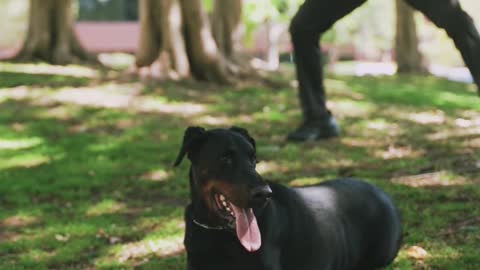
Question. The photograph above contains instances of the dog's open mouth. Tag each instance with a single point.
(245, 222)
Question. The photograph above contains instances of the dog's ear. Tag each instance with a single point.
(191, 137)
(245, 134)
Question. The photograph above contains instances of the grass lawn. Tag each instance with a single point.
(86, 180)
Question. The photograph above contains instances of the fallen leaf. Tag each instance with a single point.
(62, 238)
(417, 253)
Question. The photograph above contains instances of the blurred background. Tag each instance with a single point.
(361, 43)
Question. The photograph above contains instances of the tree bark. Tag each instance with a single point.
(176, 41)
(51, 36)
(408, 56)
(227, 26)
(205, 58)
(162, 45)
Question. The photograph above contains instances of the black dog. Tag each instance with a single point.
(238, 221)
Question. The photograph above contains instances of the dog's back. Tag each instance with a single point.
(339, 224)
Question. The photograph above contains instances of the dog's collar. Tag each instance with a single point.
(218, 228)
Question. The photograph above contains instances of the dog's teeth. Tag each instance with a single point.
(224, 203)
(222, 197)
(228, 209)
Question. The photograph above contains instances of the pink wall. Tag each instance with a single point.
(108, 36)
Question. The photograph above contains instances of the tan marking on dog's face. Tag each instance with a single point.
(235, 193)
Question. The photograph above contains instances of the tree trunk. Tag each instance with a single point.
(206, 60)
(162, 46)
(408, 57)
(227, 27)
(50, 35)
(176, 41)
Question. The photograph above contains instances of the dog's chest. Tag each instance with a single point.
(218, 250)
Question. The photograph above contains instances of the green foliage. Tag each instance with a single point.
(370, 28)
(372, 25)
(85, 162)
(208, 4)
(256, 13)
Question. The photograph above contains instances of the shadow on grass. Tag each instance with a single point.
(13, 79)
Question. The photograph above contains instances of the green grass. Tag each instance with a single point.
(86, 180)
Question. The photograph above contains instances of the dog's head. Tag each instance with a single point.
(223, 173)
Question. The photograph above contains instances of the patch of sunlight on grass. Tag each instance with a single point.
(428, 117)
(42, 68)
(166, 242)
(213, 120)
(439, 178)
(361, 142)
(351, 108)
(117, 60)
(396, 152)
(147, 104)
(380, 124)
(171, 227)
(101, 98)
(474, 143)
(466, 123)
(26, 161)
(269, 114)
(19, 220)
(23, 92)
(105, 207)
(453, 133)
(156, 175)
(60, 112)
(162, 225)
(110, 96)
(338, 85)
(161, 247)
(305, 181)
(8, 144)
(3, 97)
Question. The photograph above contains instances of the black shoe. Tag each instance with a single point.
(315, 130)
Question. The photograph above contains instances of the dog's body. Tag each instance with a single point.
(341, 224)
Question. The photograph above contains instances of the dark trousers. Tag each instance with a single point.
(316, 16)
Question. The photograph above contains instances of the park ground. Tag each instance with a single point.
(86, 180)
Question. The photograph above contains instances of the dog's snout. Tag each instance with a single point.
(260, 195)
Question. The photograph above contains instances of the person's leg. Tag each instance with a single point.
(449, 15)
(312, 19)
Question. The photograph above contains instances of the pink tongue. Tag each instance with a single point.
(247, 229)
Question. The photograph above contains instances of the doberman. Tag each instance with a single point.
(236, 220)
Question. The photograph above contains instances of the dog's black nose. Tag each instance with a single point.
(260, 195)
